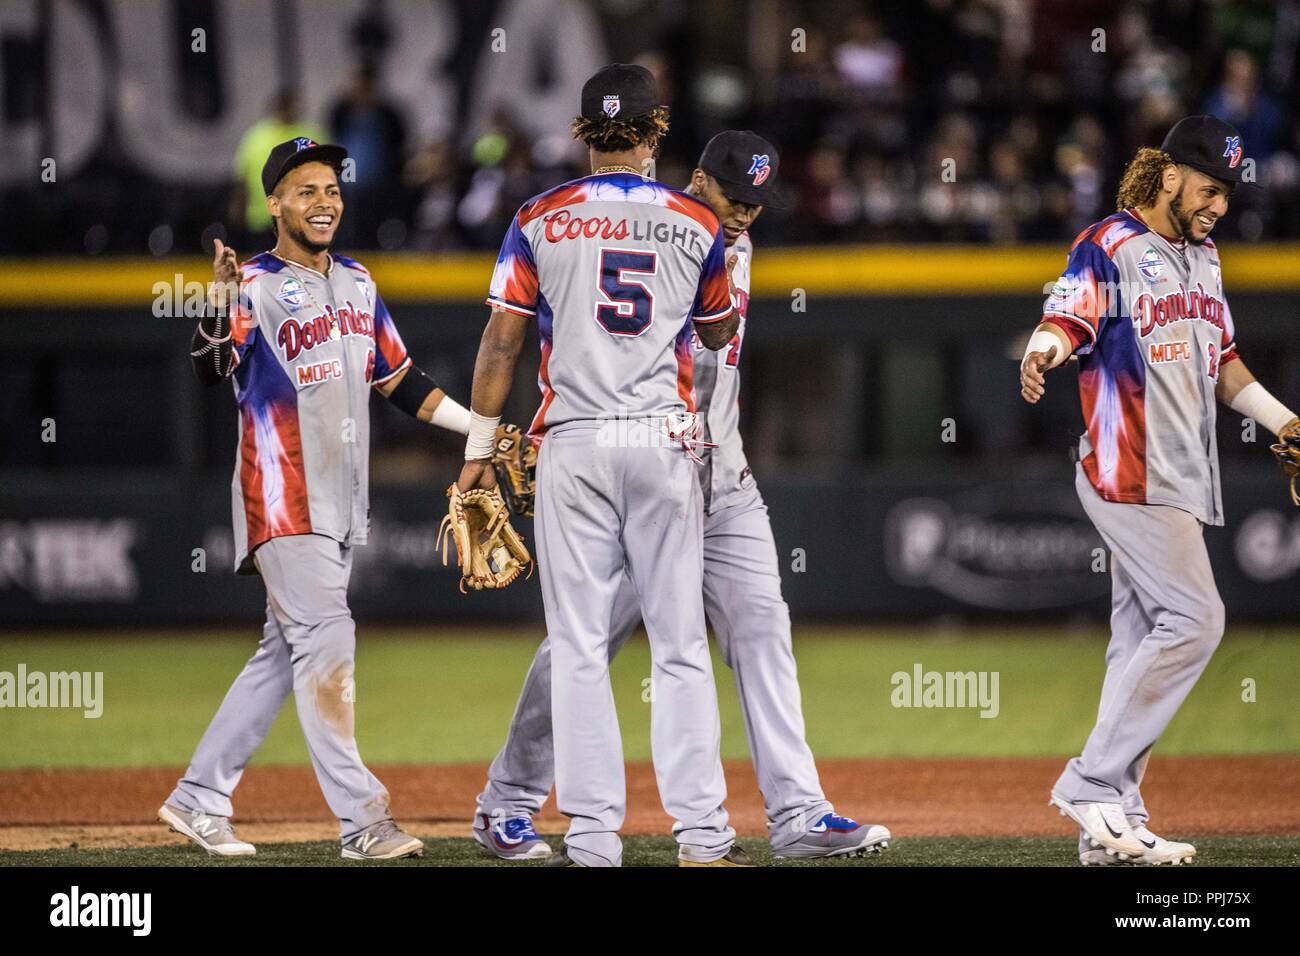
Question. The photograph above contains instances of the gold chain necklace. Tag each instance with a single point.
(619, 168)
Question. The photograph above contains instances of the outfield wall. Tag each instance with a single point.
(903, 549)
(848, 381)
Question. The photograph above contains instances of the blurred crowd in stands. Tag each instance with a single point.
(902, 120)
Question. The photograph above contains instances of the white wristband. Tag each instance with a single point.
(451, 415)
(1255, 402)
(482, 436)
(1043, 341)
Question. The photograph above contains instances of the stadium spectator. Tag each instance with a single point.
(430, 175)
(1242, 101)
(374, 134)
(250, 223)
(1033, 101)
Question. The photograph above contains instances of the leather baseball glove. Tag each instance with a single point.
(491, 554)
(514, 458)
(1287, 451)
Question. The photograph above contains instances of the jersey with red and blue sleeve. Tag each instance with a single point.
(1148, 319)
(617, 269)
(308, 348)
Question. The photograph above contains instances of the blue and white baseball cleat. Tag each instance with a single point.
(833, 835)
(510, 839)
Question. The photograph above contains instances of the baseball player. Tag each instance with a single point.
(736, 176)
(618, 271)
(305, 336)
(1141, 304)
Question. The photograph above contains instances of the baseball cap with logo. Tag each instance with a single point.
(1209, 145)
(620, 89)
(745, 165)
(294, 153)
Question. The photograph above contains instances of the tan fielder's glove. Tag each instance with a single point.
(514, 459)
(1287, 451)
(491, 554)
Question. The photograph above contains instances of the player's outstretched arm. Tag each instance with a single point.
(415, 393)
(1238, 389)
(1048, 347)
(494, 372)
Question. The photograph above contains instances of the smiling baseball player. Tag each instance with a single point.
(1141, 304)
(305, 336)
(736, 176)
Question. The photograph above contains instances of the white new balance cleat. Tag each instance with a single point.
(1158, 851)
(384, 840)
(1105, 825)
(214, 834)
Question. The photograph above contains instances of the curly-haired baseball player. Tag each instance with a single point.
(736, 176)
(305, 336)
(1141, 304)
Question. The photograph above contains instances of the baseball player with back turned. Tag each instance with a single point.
(618, 272)
(1141, 304)
(742, 587)
(305, 336)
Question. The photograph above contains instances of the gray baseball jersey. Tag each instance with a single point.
(616, 268)
(726, 478)
(308, 349)
(1151, 327)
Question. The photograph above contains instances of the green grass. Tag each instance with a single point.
(661, 851)
(446, 695)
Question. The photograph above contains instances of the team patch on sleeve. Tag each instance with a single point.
(1085, 295)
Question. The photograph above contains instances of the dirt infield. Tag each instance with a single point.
(987, 797)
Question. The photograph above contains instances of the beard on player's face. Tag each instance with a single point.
(298, 235)
(1187, 215)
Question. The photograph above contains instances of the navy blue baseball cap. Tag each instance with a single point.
(620, 89)
(745, 166)
(1208, 145)
(294, 153)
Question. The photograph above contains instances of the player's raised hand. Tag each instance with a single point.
(1032, 384)
(731, 264)
(226, 275)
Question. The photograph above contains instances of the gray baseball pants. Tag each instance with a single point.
(308, 646)
(600, 511)
(1166, 621)
(742, 600)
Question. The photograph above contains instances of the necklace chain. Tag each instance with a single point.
(617, 168)
(335, 331)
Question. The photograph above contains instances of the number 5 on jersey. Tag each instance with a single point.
(629, 306)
